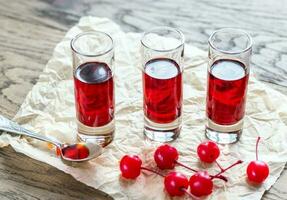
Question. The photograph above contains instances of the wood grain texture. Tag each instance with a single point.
(30, 29)
(22, 177)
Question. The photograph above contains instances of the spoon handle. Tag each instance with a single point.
(12, 127)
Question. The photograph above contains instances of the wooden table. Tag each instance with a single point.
(30, 30)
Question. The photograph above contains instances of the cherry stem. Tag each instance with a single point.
(219, 177)
(189, 194)
(185, 166)
(257, 142)
(224, 170)
(153, 171)
(219, 166)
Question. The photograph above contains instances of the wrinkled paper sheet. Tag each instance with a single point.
(49, 109)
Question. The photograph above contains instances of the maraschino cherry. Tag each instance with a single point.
(130, 166)
(175, 183)
(208, 151)
(201, 183)
(166, 157)
(257, 171)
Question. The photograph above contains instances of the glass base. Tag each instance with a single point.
(161, 136)
(223, 134)
(103, 135)
(162, 132)
(223, 137)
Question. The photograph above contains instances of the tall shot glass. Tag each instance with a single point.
(228, 73)
(93, 55)
(162, 51)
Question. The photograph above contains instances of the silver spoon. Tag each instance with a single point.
(9, 126)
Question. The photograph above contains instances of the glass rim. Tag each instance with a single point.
(238, 30)
(73, 47)
(175, 30)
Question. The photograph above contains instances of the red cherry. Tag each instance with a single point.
(257, 171)
(208, 151)
(200, 184)
(175, 183)
(130, 166)
(166, 156)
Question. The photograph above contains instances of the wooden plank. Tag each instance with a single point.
(31, 29)
(22, 177)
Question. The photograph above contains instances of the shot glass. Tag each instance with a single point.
(93, 55)
(162, 51)
(228, 72)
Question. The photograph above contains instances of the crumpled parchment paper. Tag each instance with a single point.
(49, 109)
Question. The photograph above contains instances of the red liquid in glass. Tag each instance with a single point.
(162, 88)
(94, 94)
(226, 93)
(76, 151)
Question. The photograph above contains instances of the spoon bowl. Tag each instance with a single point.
(80, 152)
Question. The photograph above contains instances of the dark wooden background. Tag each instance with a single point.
(30, 29)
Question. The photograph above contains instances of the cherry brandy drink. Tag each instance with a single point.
(226, 92)
(162, 80)
(162, 83)
(94, 86)
(228, 74)
(94, 93)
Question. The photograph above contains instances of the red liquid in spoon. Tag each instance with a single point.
(76, 151)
